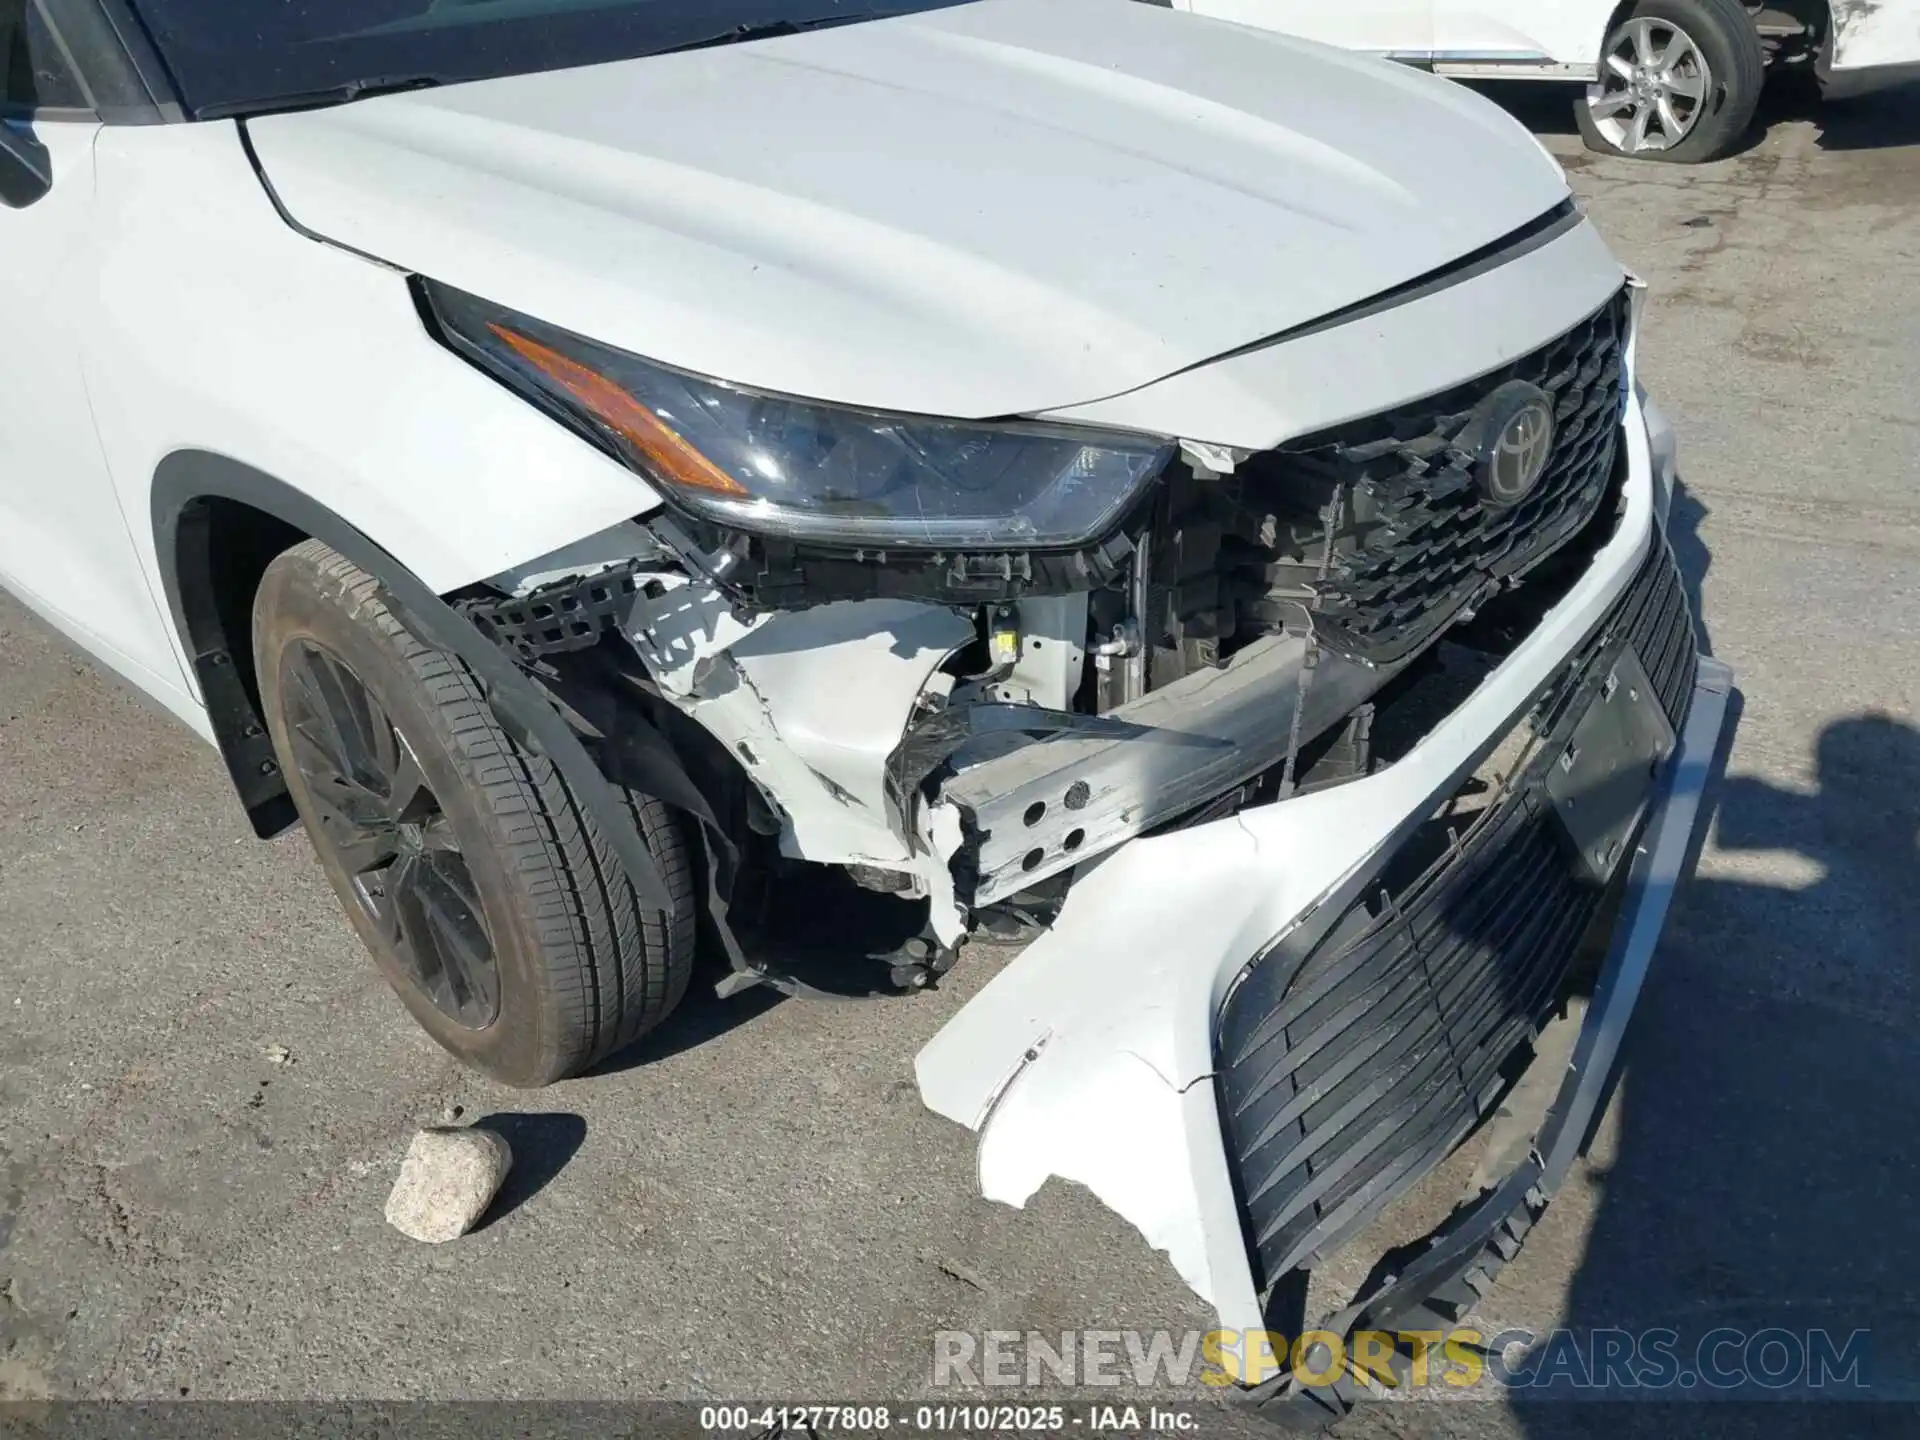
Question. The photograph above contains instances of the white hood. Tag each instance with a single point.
(999, 208)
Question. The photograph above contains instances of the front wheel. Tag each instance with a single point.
(1679, 81)
(488, 896)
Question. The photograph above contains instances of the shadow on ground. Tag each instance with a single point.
(1761, 1176)
(1690, 554)
(701, 1017)
(1756, 1203)
(1866, 122)
(1765, 1180)
(542, 1144)
(1764, 1187)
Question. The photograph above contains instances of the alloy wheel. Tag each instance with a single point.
(1653, 87)
(378, 820)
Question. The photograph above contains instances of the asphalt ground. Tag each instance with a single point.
(205, 1089)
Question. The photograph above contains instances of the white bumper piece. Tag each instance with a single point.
(1089, 1057)
(1875, 44)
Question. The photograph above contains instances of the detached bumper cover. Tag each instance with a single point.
(1480, 1238)
(1092, 1056)
(1359, 1050)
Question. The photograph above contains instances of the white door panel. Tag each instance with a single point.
(63, 538)
(1567, 32)
(1396, 27)
(163, 691)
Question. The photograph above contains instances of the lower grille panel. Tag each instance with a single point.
(1351, 1063)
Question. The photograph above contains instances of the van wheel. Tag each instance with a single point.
(490, 901)
(1679, 81)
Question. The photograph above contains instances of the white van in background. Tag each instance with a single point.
(1661, 79)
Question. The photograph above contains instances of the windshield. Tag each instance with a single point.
(228, 56)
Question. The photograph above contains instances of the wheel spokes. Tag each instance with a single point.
(437, 834)
(1652, 83)
(1688, 87)
(376, 818)
(362, 719)
(341, 705)
(1637, 132)
(364, 853)
(1643, 43)
(311, 717)
(415, 937)
(383, 893)
(334, 792)
(409, 798)
(441, 891)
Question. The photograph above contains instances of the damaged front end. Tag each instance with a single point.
(1311, 767)
(965, 727)
(1250, 1037)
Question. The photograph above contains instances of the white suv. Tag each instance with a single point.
(1659, 79)
(830, 487)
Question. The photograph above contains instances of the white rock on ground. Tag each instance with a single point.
(447, 1181)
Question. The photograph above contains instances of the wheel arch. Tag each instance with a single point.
(1815, 15)
(217, 522)
(1615, 18)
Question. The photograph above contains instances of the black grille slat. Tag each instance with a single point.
(1427, 1126)
(1309, 1033)
(1475, 998)
(1678, 661)
(1546, 936)
(1349, 1065)
(1380, 1189)
(1466, 992)
(1394, 1031)
(1411, 1110)
(1666, 650)
(1422, 544)
(1464, 984)
(1316, 1037)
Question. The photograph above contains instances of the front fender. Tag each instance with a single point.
(214, 326)
(229, 356)
(182, 485)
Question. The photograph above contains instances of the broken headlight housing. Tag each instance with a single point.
(773, 464)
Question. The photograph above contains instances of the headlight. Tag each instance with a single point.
(771, 463)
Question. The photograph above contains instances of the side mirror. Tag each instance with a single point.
(26, 170)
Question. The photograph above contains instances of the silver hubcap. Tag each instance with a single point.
(1653, 87)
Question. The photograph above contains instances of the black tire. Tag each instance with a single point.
(1737, 65)
(578, 967)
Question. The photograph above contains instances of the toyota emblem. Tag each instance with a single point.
(1515, 434)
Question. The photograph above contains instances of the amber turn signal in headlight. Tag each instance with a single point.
(780, 465)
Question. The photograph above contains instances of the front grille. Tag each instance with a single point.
(1352, 1061)
(1655, 616)
(1414, 543)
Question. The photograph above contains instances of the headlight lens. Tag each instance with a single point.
(770, 463)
